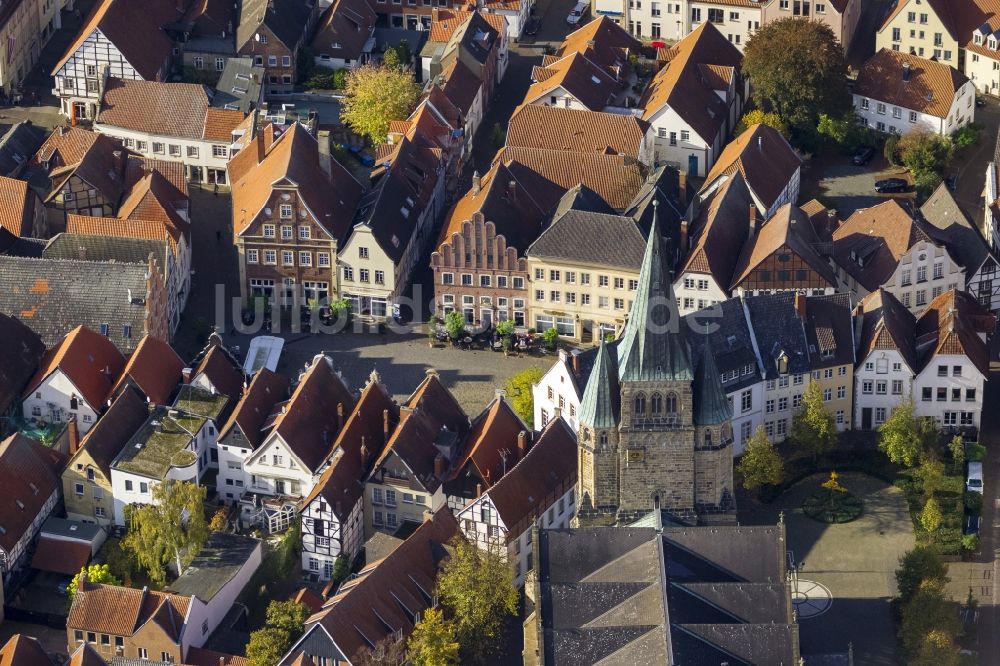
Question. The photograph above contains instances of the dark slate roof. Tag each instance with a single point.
(702, 595)
(711, 406)
(778, 329)
(600, 406)
(582, 198)
(17, 146)
(220, 559)
(386, 37)
(24, 247)
(475, 36)
(663, 186)
(593, 238)
(947, 221)
(60, 295)
(20, 355)
(106, 249)
(652, 347)
(286, 18)
(830, 330)
(239, 85)
(725, 326)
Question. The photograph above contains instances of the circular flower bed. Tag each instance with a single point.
(830, 506)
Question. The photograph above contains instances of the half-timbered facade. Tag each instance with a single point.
(333, 514)
(106, 46)
(784, 255)
(540, 487)
(286, 466)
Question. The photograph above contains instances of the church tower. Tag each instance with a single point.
(655, 430)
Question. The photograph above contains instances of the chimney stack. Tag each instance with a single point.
(325, 158)
(385, 426)
(479, 490)
(800, 305)
(74, 435)
(522, 444)
(477, 183)
(340, 416)
(831, 221)
(364, 451)
(186, 375)
(575, 359)
(512, 191)
(684, 236)
(440, 466)
(682, 189)
(760, 143)
(753, 219)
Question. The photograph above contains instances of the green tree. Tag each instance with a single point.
(890, 150)
(844, 131)
(432, 642)
(928, 611)
(966, 136)
(497, 136)
(220, 521)
(172, 528)
(930, 516)
(390, 58)
(476, 586)
(925, 153)
(267, 646)
(519, 394)
(341, 569)
(813, 426)
(899, 437)
(405, 52)
(937, 649)
(916, 567)
(957, 449)
(798, 66)
(551, 337)
(376, 95)
(759, 117)
(454, 323)
(760, 463)
(96, 573)
(931, 475)
(289, 616)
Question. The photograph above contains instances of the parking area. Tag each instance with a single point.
(837, 182)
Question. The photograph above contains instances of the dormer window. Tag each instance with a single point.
(993, 43)
(783, 364)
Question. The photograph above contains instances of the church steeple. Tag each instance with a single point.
(711, 406)
(652, 347)
(600, 406)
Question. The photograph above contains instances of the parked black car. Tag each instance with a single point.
(863, 156)
(951, 181)
(532, 27)
(980, 101)
(891, 185)
(972, 524)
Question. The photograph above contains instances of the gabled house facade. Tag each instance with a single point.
(75, 380)
(887, 359)
(272, 32)
(345, 35)
(293, 205)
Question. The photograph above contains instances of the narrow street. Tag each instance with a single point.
(989, 616)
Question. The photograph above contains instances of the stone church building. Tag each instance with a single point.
(655, 427)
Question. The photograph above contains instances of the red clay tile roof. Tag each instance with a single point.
(60, 556)
(137, 167)
(225, 374)
(342, 484)
(952, 324)
(381, 591)
(589, 83)
(85, 225)
(67, 145)
(165, 109)
(135, 27)
(307, 423)
(680, 86)
(549, 465)
(21, 650)
(461, 85)
(121, 611)
(347, 23)
(603, 42)
(310, 599)
(960, 18)
(99, 167)
(105, 440)
(17, 205)
(86, 655)
(931, 88)
(717, 236)
(90, 361)
(869, 244)
(788, 228)
(617, 178)
(154, 368)
(886, 324)
(766, 160)
(536, 126)
(446, 21)
(29, 474)
(491, 445)
(293, 156)
(155, 199)
(266, 390)
(197, 656)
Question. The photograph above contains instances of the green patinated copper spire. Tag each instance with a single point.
(711, 406)
(600, 406)
(653, 347)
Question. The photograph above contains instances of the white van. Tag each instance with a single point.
(974, 482)
(578, 13)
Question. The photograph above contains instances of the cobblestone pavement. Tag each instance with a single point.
(856, 561)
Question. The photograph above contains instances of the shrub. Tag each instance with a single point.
(550, 336)
(966, 136)
(975, 452)
(970, 542)
(454, 323)
(974, 503)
